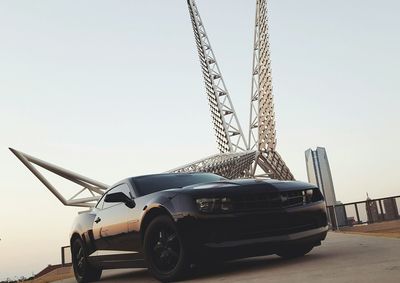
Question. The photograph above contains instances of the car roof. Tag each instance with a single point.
(171, 174)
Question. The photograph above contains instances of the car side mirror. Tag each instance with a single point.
(120, 197)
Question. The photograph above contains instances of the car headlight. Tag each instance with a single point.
(308, 196)
(212, 205)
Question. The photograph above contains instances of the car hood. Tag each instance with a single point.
(245, 186)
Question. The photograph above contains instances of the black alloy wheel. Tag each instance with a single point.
(83, 271)
(164, 250)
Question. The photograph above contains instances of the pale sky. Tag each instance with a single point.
(112, 89)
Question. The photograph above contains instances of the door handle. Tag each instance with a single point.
(98, 219)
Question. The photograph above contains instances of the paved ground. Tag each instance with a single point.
(384, 229)
(341, 258)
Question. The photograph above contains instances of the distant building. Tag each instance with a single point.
(372, 211)
(391, 209)
(341, 217)
(319, 173)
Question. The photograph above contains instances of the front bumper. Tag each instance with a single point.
(254, 233)
(313, 236)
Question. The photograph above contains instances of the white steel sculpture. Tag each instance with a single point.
(238, 156)
(230, 137)
(229, 165)
(262, 135)
(95, 188)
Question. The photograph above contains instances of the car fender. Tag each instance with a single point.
(157, 205)
(83, 227)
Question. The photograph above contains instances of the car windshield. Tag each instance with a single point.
(155, 183)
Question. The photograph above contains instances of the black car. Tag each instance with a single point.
(166, 222)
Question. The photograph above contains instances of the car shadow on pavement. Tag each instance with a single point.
(131, 275)
(223, 269)
(248, 265)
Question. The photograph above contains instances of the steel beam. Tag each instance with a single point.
(229, 134)
(95, 188)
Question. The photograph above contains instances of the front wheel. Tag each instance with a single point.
(294, 251)
(83, 271)
(165, 254)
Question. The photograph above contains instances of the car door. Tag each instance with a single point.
(134, 232)
(110, 227)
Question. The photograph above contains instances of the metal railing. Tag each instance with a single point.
(364, 212)
(66, 255)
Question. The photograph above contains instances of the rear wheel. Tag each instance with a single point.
(294, 251)
(83, 271)
(165, 254)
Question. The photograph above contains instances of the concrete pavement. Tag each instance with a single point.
(341, 258)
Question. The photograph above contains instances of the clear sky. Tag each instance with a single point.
(112, 89)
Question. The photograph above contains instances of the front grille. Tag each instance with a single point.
(267, 201)
(260, 225)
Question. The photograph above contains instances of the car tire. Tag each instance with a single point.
(83, 271)
(164, 251)
(294, 251)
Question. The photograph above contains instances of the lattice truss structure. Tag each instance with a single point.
(229, 165)
(228, 132)
(262, 133)
(230, 138)
(238, 156)
(95, 188)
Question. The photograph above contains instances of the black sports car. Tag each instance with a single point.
(167, 222)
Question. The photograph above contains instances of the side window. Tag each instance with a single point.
(99, 205)
(120, 188)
